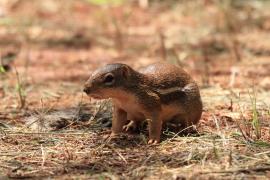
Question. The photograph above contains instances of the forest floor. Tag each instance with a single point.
(50, 128)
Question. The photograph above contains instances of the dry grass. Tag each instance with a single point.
(218, 150)
(59, 133)
(87, 154)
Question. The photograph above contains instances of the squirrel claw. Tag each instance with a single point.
(152, 141)
(130, 126)
(126, 128)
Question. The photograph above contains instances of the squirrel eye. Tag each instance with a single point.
(109, 79)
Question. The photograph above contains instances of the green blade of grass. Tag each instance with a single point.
(2, 70)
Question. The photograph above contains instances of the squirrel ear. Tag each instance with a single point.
(125, 72)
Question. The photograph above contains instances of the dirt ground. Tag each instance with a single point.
(49, 128)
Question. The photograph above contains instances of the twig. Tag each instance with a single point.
(119, 154)
(163, 46)
(44, 133)
(259, 169)
(43, 156)
(20, 89)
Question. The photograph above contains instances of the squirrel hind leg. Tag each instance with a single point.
(180, 124)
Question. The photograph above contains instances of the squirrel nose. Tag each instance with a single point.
(86, 90)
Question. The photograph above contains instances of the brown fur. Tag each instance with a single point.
(159, 92)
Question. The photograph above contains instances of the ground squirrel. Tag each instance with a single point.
(159, 93)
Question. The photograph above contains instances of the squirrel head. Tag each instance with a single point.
(105, 81)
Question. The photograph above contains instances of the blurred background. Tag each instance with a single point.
(48, 49)
(47, 45)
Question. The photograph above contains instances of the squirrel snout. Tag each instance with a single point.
(87, 89)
